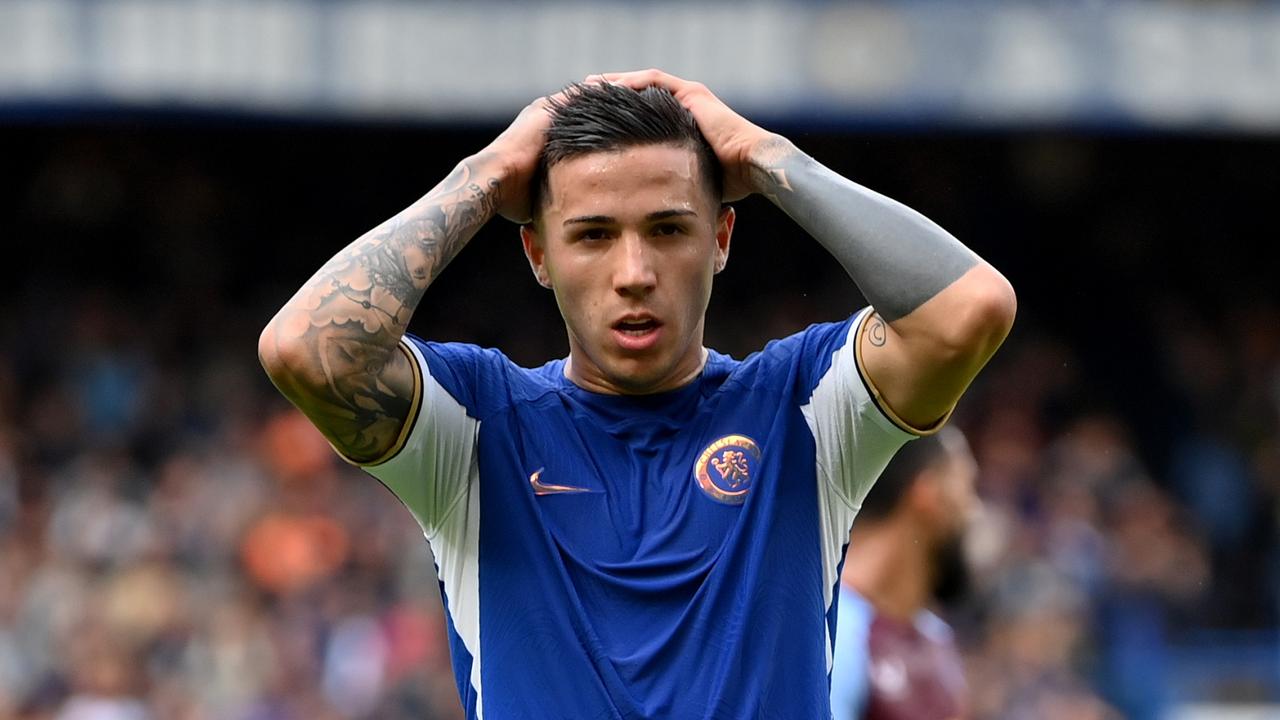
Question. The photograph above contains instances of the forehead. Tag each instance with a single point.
(643, 175)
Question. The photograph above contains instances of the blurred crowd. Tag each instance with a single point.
(176, 542)
(1097, 578)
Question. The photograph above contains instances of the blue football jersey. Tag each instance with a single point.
(658, 556)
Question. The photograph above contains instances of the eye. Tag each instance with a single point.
(596, 233)
(667, 229)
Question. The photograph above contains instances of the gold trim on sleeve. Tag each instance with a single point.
(881, 404)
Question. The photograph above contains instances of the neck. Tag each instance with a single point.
(587, 376)
(888, 563)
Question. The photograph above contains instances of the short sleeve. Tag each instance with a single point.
(855, 436)
(435, 461)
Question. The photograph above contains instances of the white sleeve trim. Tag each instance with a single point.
(853, 441)
(431, 470)
(436, 474)
(854, 436)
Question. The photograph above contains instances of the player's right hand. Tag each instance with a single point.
(517, 150)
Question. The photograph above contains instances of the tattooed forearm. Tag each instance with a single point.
(388, 269)
(333, 348)
(897, 257)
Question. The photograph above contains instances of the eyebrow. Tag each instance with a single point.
(651, 217)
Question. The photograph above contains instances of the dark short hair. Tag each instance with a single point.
(901, 473)
(605, 117)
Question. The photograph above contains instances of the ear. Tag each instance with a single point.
(724, 233)
(533, 249)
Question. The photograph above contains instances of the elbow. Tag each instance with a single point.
(997, 308)
(268, 350)
(973, 322)
(278, 358)
(990, 311)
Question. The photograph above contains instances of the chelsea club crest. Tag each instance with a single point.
(726, 469)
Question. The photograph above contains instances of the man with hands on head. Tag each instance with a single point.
(646, 528)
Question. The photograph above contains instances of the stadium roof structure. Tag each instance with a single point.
(923, 63)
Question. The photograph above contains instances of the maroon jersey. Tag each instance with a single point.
(914, 671)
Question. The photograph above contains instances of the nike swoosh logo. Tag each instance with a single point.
(541, 488)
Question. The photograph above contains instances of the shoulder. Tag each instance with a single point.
(458, 356)
(816, 339)
(801, 358)
(483, 379)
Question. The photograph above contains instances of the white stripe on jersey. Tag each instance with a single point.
(436, 475)
(853, 441)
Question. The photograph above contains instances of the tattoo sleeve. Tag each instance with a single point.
(341, 331)
(898, 257)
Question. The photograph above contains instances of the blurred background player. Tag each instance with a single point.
(894, 658)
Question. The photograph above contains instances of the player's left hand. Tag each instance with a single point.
(736, 141)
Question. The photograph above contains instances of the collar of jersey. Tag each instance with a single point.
(662, 403)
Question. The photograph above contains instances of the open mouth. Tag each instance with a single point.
(637, 333)
(636, 327)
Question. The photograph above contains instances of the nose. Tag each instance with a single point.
(634, 273)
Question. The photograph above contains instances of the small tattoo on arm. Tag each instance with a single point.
(876, 332)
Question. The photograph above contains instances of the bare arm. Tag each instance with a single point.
(941, 310)
(333, 349)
